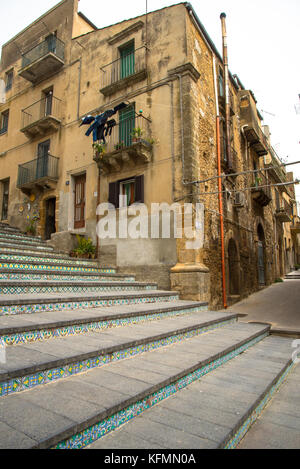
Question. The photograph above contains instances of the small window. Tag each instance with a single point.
(127, 60)
(4, 122)
(9, 80)
(126, 192)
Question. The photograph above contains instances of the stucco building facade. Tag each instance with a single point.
(161, 148)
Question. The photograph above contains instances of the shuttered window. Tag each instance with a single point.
(127, 124)
(127, 62)
(131, 190)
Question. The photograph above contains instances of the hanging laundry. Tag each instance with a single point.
(99, 125)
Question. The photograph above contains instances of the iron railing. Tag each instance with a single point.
(124, 67)
(126, 133)
(45, 166)
(50, 45)
(48, 106)
(261, 183)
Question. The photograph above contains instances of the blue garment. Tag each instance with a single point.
(99, 122)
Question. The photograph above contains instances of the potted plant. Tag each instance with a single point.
(100, 149)
(85, 248)
(119, 146)
(137, 134)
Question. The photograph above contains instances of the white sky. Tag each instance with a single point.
(263, 48)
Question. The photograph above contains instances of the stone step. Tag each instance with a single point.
(29, 303)
(15, 287)
(54, 258)
(50, 266)
(23, 241)
(34, 364)
(212, 413)
(20, 237)
(22, 329)
(279, 425)
(74, 412)
(10, 274)
(17, 248)
(4, 228)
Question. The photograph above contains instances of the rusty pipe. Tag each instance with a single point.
(226, 86)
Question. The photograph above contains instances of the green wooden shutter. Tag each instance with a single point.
(127, 124)
(127, 60)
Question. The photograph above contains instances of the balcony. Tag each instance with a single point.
(123, 72)
(250, 123)
(41, 173)
(284, 212)
(43, 60)
(295, 227)
(261, 190)
(42, 117)
(128, 145)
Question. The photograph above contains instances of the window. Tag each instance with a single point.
(126, 192)
(5, 195)
(127, 60)
(9, 79)
(127, 124)
(4, 122)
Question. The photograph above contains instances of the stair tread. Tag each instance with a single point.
(279, 426)
(33, 282)
(30, 298)
(87, 398)
(52, 319)
(209, 409)
(74, 347)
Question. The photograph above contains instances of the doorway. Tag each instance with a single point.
(79, 201)
(261, 255)
(5, 196)
(233, 264)
(50, 226)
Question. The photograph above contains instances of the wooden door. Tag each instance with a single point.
(79, 201)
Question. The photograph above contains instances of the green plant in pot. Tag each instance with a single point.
(85, 248)
(137, 134)
(100, 149)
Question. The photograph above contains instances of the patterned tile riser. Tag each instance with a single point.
(20, 236)
(40, 308)
(97, 431)
(41, 335)
(49, 376)
(16, 247)
(73, 261)
(54, 268)
(19, 290)
(86, 278)
(19, 251)
(239, 435)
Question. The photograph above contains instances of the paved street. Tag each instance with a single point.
(278, 305)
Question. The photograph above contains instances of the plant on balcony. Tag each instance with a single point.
(85, 248)
(119, 146)
(136, 134)
(100, 149)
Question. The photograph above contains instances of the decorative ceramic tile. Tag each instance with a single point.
(62, 277)
(45, 334)
(44, 377)
(93, 433)
(234, 441)
(41, 307)
(79, 288)
(54, 268)
(54, 260)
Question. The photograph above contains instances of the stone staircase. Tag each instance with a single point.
(86, 350)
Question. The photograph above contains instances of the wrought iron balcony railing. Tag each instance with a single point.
(49, 45)
(37, 171)
(128, 140)
(42, 116)
(129, 68)
(261, 190)
(42, 60)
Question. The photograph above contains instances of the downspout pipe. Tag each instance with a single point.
(220, 187)
(226, 83)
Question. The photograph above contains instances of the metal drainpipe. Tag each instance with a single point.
(220, 187)
(226, 82)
